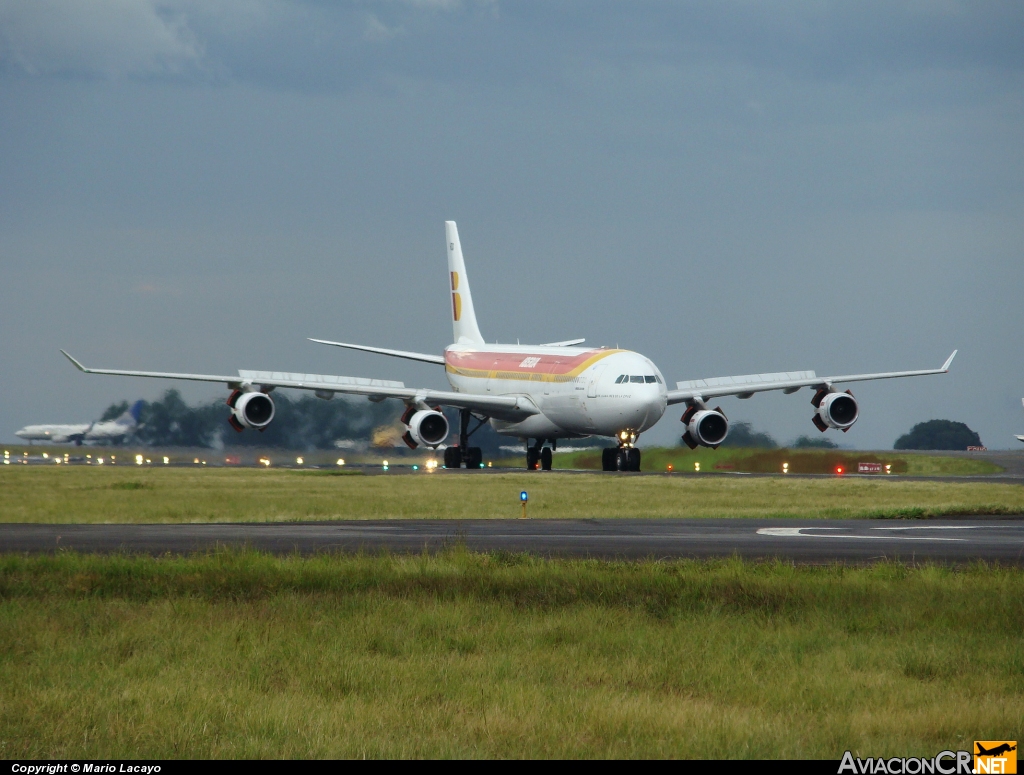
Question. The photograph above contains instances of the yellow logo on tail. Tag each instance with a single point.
(456, 299)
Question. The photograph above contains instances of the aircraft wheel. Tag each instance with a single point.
(633, 459)
(453, 457)
(545, 459)
(608, 458)
(622, 460)
(532, 459)
(474, 457)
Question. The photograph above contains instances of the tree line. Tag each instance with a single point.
(304, 423)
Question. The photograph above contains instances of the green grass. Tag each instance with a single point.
(92, 494)
(801, 461)
(246, 655)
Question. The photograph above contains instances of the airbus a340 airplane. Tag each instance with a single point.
(104, 430)
(542, 392)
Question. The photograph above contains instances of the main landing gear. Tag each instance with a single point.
(471, 457)
(625, 457)
(539, 456)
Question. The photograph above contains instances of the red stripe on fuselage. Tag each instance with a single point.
(523, 362)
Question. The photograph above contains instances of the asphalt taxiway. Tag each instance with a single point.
(960, 540)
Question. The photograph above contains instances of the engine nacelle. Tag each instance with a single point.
(250, 410)
(835, 410)
(705, 427)
(427, 427)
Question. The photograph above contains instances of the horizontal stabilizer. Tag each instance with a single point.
(425, 357)
(566, 343)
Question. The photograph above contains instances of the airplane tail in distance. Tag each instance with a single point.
(131, 417)
(464, 327)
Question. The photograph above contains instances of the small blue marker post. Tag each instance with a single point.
(524, 497)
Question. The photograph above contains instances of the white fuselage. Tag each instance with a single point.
(63, 434)
(580, 391)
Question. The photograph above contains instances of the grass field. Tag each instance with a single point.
(68, 494)
(245, 655)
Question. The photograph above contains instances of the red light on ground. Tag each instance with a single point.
(669, 466)
(839, 470)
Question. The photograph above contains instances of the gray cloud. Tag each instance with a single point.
(111, 38)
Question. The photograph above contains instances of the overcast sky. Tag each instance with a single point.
(726, 187)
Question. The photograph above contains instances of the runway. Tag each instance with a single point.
(960, 540)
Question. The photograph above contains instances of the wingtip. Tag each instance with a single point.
(78, 365)
(949, 360)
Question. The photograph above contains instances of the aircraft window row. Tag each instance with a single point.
(638, 379)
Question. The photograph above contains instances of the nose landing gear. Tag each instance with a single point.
(625, 457)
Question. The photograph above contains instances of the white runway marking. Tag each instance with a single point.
(786, 532)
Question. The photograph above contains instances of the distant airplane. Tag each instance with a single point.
(542, 392)
(1021, 438)
(106, 430)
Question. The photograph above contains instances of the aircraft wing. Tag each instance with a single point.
(746, 385)
(325, 385)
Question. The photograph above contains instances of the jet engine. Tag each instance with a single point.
(706, 427)
(426, 426)
(835, 410)
(250, 410)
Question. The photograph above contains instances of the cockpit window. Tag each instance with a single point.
(635, 378)
(659, 379)
(649, 379)
(621, 378)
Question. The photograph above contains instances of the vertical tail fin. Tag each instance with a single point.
(131, 416)
(464, 327)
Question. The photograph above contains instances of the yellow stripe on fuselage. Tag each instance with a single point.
(529, 375)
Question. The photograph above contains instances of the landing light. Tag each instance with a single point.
(385, 465)
(888, 469)
(138, 460)
(166, 460)
(696, 467)
(341, 461)
(298, 461)
(785, 468)
(430, 464)
(99, 460)
(196, 461)
(45, 456)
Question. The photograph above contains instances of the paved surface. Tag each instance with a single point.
(810, 541)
